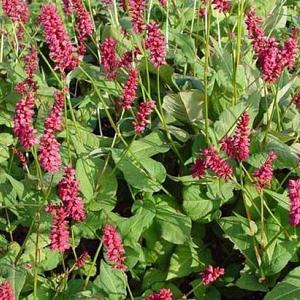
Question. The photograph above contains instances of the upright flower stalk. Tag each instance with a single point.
(61, 49)
(264, 174)
(49, 151)
(211, 274)
(237, 146)
(23, 119)
(163, 294)
(272, 59)
(6, 291)
(294, 195)
(115, 252)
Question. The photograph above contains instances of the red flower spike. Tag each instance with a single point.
(59, 233)
(211, 274)
(6, 291)
(163, 294)
(155, 43)
(294, 195)
(145, 110)
(68, 192)
(114, 247)
(265, 173)
(60, 46)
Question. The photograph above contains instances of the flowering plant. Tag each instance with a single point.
(149, 149)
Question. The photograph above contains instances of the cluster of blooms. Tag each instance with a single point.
(129, 89)
(84, 25)
(109, 58)
(68, 192)
(6, 291)
(144, 111)
(115, 252)
(72, 208)
(296, 99)
(59, 233)
(237, 146)
(221, 5)
(81, 260)
(137, 11)
(163, 294)
(18, 12)
(68, 6)
(155, 43)
(211, 274)
(294, 195)
(211, 160)
(23, 127)
(21, 157)
(163, 2)
(23, 119)
(60, 45)
(49, 152)
(264, 174)
(272, 59)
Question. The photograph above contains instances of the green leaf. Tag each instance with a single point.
(149, 145)
(146, 175)
(197, 206)
(281, 255)
(184, 106)
(185, 260)
(16, 275)
(97, 186)
(17, 185)
(112, 282)
(237, 230)
(288, 288)
(285, 157)
(175, 226)
(248, 281)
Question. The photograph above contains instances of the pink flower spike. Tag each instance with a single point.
(81, 260)
(49, 153)
(294, 195)
(155, 43)
(265, 173)
(68, 192)
(109, 57)
(218, 165)
(137, 11)
(21, 157)
(59, 233)
(163, 2)
(211, 274)
(198, 168)
(6, 291)
(237, 146)
(114, 247)
(16, 10)
(129, 90)
(60, 45)
(23, 119)
(163, 294)
(68, 6)
(145, 110)
(221, 5)
(84, 25)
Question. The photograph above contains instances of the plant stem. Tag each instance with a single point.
(206, 66)
(92, 266)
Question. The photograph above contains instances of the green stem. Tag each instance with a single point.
(92, 266)
(206, 66)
